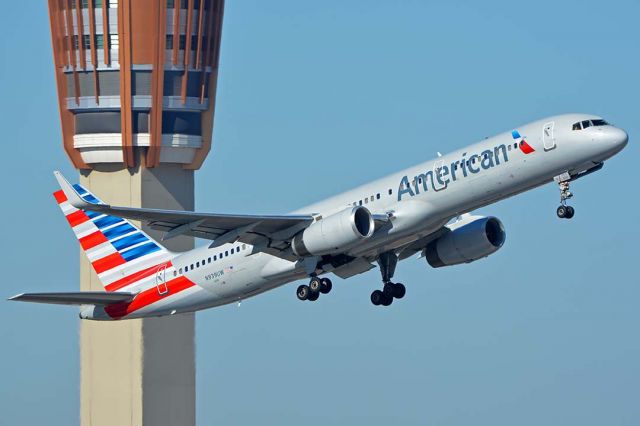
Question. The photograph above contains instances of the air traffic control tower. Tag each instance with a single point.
(136, 85)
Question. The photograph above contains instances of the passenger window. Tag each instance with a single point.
(515, 146)
(209, 260)
(175, 273)
(360, 202)
(378, 196)
(390, 191)
(509, 147)
(586, 123)
(372, 198)
(366, 200)
(180, 271)
(226, 253)
(576, 126)
(191, 267)
(215, 258)
(232, 251)
(197, 264)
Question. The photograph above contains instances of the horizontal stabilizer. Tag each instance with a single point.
(76, 297)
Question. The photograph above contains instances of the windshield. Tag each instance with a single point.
(588, 123)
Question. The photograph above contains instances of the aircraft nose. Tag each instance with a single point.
(617, 137)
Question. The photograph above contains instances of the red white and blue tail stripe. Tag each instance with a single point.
(124, 257)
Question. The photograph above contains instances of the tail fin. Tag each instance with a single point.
(123, 256)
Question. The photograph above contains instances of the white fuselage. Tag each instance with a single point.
(419, 201)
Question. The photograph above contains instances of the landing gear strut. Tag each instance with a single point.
(316, 287)
(387, 262)
(564, 211)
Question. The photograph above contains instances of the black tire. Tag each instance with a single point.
(386, 300)
(389, 289)
(315, 285)
(303, 292)
(326, 286)
(376, 297)
(313, 296)
(399, 290)
(561, 211)
(570, 212)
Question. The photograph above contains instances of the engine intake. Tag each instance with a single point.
(334, 234)
(466, 242)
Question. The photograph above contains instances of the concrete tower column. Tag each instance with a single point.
(136, 86)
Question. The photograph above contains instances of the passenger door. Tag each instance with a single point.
(548, 138)
(161, 283)
(437, 166)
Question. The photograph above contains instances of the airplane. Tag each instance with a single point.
(423, 210)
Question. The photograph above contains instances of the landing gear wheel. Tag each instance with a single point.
(376, 297)
(570, 212)
(303, 292)
(399, 290)
(389, 290)
(386, 300)
(561, 211)
(315, 285)
(313, 296)
(326, 286)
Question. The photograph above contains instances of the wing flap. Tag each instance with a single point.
(75, 298)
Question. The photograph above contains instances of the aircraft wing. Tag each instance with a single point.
(272, 233)
(76, 298)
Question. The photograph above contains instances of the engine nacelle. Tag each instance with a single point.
(335, 233)
(477, 238)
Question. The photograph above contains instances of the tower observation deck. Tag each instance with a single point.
(136, 86)
(136, 79)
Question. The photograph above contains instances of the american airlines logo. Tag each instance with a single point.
(442, 174)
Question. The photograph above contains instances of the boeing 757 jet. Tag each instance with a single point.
(423, 210)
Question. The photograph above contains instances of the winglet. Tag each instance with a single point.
(72, 195)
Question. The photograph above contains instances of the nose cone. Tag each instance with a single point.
(615, 138)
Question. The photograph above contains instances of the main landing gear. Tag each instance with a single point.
(314, 289)
(387, 262)
(564, 211)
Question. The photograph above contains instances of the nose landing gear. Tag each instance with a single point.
(564, 211)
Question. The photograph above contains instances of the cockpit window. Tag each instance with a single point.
(588, 123)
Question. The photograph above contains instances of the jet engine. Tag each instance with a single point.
(334, 234)
(467, 240)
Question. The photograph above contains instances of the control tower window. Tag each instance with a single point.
(140, 122)
(173, 84)
(97, 122)
(187, 123)
(141, 82)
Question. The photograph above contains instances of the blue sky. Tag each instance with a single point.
(318, 97)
